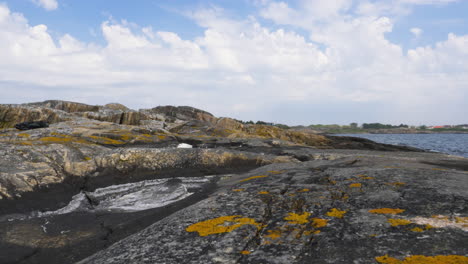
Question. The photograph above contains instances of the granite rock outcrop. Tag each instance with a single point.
(241, 194)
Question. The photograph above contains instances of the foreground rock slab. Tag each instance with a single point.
(355, 209)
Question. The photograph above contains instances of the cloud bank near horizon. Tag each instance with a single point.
(321, 60)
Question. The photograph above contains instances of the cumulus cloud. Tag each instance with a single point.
(47, 4)
(416, 32)
(243, 69)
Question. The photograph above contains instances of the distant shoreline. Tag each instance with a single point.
(395, 132)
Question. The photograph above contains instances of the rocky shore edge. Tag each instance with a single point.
(269, 196)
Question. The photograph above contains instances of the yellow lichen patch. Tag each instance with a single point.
(396, 184)
(273, 234)
(108, 141)
(238, 190)
(304, 190)
(245, 252)
(336, 213)
(417, 229)
(292, 194)
(263, 192)
(365, 177)
(392, 211)
(275, 172)
(311, 232)
(223, 224)
(55, 139)
(126, 137)
(463, 220)
(161, 137)
(438, 169)
(398, 222)
(319, 222)
(254, 177)
(297, 219)
(420, 259)
(25, 135)
(87, 158)
(373, 235)
(355, 185)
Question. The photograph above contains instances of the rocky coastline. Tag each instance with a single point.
(107, 184)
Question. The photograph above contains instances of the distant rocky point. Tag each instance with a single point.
(107, 184)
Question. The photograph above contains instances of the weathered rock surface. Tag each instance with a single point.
(349, 210)
(263, 194)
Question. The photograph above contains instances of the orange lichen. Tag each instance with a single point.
(275, 172)
(462, 220)
(311, 232)
(245, 252)
(392, 211)
(107, 141)
(25, 135)
(365, 177)
(417, 229)
(398, 222)
(319, 222)
(438, 169)
(420, 259)
(161, 137)
(297, 219)
(55, 139)
(238, 190)
(304, 190)
(273, 234)
(336, 213)
(355, 185)
(254, 177)
(223, 224)
(263, 192)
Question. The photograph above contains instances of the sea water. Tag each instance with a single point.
(454, 144)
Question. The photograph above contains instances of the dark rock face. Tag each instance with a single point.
(31, 125)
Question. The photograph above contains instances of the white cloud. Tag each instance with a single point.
(416, 32)
(46, 4)
(241, 68)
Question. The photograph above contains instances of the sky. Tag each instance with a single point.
(291, 62)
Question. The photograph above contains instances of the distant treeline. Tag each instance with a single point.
(381, 126)
(355, 126)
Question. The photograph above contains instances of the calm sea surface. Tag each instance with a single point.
(455, 144)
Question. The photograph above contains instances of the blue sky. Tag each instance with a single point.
(294, 62)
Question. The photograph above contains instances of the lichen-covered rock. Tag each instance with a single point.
(311, 213)
(173, 113)
(14, 114)
(266, 194)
